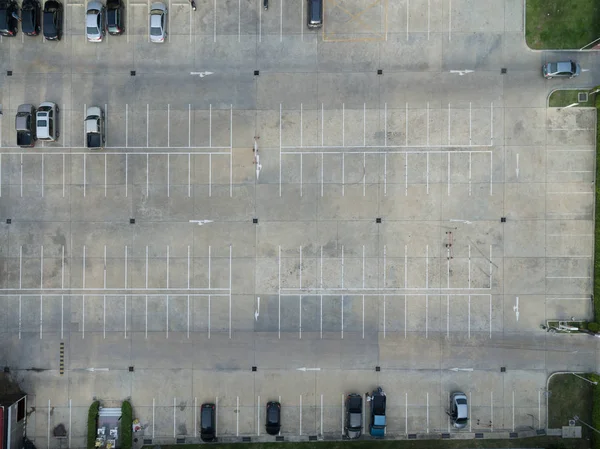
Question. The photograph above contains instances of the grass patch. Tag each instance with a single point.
(570, 396)
(562, 98)
(536, 442)
(561, 23)
(126, 425)
(92, 424)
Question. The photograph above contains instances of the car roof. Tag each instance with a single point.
(564, 66)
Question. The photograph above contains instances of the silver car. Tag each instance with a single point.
(459, 411)
(94, 21)
(46, 121)
(158, 22)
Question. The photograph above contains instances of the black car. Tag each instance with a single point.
(207, 422)
(114, 17)
(53, 18)
(273, 417)
(31, 12)
(9, 18)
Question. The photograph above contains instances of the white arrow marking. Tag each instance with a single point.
(461, 72)
(517, 165)
(257, 309)
(202, 74)
(585, 70)
(516, 308)
(96, 369)
(201, 222)
(460, 369)
(257, 158)
(460, 221)
(308, 369)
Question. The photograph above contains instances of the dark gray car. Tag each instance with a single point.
(354, 416)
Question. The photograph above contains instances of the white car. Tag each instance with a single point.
(158, 22)
(46, 122)
(94, 21)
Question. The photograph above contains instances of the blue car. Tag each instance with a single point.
(378, 422)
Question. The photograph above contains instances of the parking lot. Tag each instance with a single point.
(409, 229)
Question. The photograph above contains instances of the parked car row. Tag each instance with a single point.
(99, 19)
(31, 18)
(459, 415)
(42, 124)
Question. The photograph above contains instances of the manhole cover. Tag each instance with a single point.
(582, 97)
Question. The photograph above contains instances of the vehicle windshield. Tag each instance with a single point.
(573, 67)
(461, 421)
(92, 30)
(154, 31)
(42, 123)
(460, 401)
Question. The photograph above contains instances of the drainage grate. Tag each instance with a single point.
(445, 436)
(514, 435)
(147, 440)
(541, 431)
(279, 439)
(246, 439)
(412, 436)
(479, 435)
(313, 438)
(180, 440)
(582, 97)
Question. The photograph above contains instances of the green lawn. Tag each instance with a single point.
(569, 396)
(537, 442)
(562, 98)
(562, 23)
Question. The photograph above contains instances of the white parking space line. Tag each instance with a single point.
(406, 413)
(174, 417)
(42, 175)
(258, 416)
(168, 175)
(48, 427)
(82, 316)
(279, 294)
(147, 175)
(104, 267)
(21, 175)
(280, 156)
(126, 174)
(168, 125)
(189, 125)
(449, 20)
(259, 21)
(83, 268)
(190, 174)
(407, 16)
(215, 22)
(280, 40)
(41, 315)
(84, 174)
(168, 265)
(104, 318)
(146, 267)
(230, 152)
(148, 125)
(62, 268)
(167, 318)
(62, 317)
